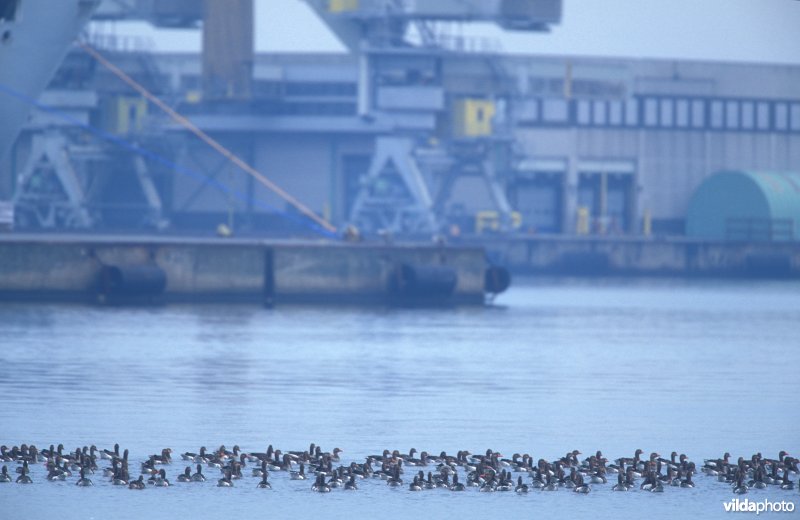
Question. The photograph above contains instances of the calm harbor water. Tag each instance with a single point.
(699, 367)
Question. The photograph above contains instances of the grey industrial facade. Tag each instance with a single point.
(624, 141)
(657, 128)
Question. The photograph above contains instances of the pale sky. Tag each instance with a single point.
(766, 31)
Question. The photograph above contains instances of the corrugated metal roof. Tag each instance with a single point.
(746, 205)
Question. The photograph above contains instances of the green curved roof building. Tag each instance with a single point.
(745, 205)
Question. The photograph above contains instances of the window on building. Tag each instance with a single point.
(667, 118)
(650, 112)
(583, 112)
(781, 116)
(762, 116)
(682, 113)
(555, 111)
(615, 113)
(732, 114)
(321, 89)
(795, 114)
(531, 110)
(717, 114)
(698, 113)
(748, 115)
(599, 116)
(632, 112)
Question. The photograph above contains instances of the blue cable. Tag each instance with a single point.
(160, 159)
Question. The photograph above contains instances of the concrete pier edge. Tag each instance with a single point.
(71, 268)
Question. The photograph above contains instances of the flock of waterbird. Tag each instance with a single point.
(486, 472)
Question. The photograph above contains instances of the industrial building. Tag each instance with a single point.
(416, 131)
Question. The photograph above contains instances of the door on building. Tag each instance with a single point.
(608, 198)
(538, 197)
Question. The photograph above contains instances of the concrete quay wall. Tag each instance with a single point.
(71, 268)
(639, 256)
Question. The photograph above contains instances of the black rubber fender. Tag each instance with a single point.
(496, 280)
(132, 280)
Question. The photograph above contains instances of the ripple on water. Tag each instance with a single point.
(694, 366)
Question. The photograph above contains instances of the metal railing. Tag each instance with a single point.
(759, 229)
(119, 42)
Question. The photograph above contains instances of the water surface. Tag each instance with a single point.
(694, 366)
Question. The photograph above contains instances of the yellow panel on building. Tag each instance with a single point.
(339, 6)
(126, 115)
(473, 118)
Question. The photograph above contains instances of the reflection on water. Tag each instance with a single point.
(699, 367)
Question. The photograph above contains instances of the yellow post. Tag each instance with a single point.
(603, 203)
(487, 220)
(516, 220)
(582, 222)
(647, 223)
